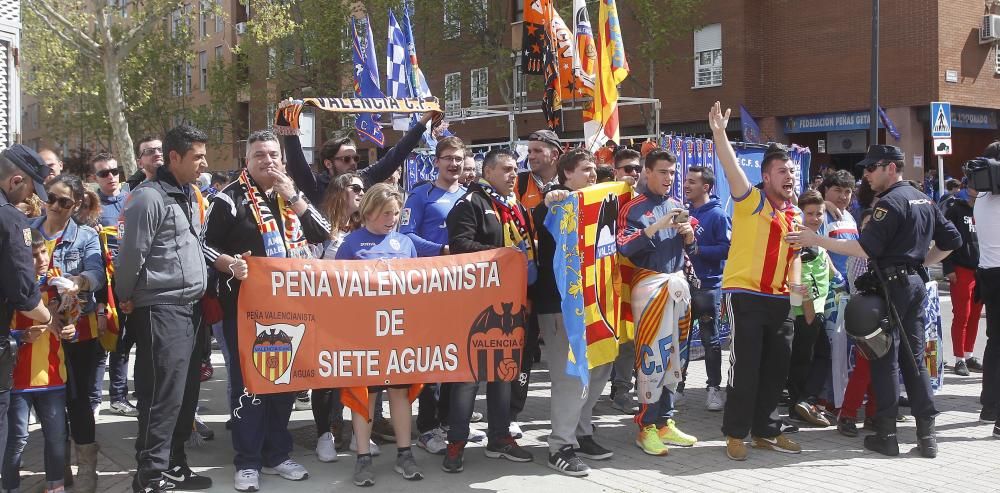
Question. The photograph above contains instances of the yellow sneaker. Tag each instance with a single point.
(671, 435)
(780, 443)
(649, 441)
(736, 449)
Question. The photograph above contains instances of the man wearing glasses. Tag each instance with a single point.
(150, 155)
(898, 242)
(108, 175)
(627, 166)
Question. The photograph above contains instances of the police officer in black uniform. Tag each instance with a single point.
(22, 172)
(897, 240)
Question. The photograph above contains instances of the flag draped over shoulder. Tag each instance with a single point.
(584, 227)
(397, 70)
(366, 84)
(600, 119)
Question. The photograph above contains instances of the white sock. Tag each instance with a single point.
(968, 355)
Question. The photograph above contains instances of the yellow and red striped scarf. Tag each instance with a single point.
(289, 243)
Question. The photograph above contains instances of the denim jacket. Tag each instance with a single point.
(78, 253)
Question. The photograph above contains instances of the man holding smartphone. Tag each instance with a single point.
(654, 233)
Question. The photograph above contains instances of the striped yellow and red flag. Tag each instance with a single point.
(600, 119)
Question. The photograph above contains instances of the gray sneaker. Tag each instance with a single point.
(363, 473)
(407, 466)
(625, 402)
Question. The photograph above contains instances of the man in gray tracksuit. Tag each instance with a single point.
(160, 277)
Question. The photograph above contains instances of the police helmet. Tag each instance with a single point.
(866, 320)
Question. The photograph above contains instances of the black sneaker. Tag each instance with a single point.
(973, 364)
(996, 430)
(787, 427)
(566, 462)
(159, 486)
(847, 427)
(960, 368)
(589, 449)
(507, 448)
(184, 478)
(454, 457)
(988, 414)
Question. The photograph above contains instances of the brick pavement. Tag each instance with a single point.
(829, 462)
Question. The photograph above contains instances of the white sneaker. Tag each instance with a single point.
(290, 470)
(476, 417)
(372, 446)
(434, 441)
(326, 450)
(716, 399)
(246, 480)
(476, 435)
(515, 430)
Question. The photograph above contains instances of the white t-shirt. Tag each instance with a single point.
(986, 216)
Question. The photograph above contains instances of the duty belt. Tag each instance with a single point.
(900, 272)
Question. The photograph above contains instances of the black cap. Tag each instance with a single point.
(31, 163)
(547, 136)
(878, 153)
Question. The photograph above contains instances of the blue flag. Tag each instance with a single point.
(887, 123)
(366, 85)
(397, 70)
(751, 131)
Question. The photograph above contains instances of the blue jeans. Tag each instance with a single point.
(463, 400)
(50, 407)
(705, 309)
(658, 412)
(116, 364)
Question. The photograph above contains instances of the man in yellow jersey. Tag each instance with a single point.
(756, 294)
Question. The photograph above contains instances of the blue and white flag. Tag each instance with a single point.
(397, 63)
(366, 84)
(751, 131)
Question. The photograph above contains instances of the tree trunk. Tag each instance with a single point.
(651, 121)
(115, 103)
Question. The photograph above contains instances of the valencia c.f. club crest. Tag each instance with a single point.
(496, 343)
(274, 350)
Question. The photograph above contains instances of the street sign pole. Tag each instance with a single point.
(940, 120)
(941, 174)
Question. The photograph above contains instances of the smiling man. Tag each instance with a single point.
(423, 220)
(756, 294)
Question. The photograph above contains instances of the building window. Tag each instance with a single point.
(203, 70)
(708, 56)
(178, 80)
(188, 77)
(346, 46)
(452, 19)
(220, 18)
(218, 54)
(204, 12)
(175, 22)
(997, 51)
(517, 12)
(453, 94)
(479, 83)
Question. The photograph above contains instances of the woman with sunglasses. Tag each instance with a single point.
(340, 207)
(75, 252)
(340, 155)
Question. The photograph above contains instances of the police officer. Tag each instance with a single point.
(22, 172)
(897, 240)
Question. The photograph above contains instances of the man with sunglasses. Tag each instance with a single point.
(897, 240)
(627, 166)
(150, 154)
(108, 175)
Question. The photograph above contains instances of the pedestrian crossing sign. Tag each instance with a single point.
(940, 120)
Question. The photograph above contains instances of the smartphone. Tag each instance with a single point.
(682, 216)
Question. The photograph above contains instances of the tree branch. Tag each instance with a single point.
(84, 50)
(139, 32)
(83, 41)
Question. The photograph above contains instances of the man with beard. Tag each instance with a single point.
(756, 294)
(897, 242)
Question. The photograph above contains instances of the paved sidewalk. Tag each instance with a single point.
(829, 461)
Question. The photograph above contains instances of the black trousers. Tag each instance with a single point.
(988, 285)
(82, 359)
(327, 410)
(519, 387)
(432, 406)
(909, 295)
(759, 357)
(165, 342)
(809, 365)
(189, 403)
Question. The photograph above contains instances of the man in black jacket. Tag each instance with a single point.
(960, 269)
(487, 217)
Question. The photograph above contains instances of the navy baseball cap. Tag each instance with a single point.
(31, 163)
(878, 153)
(547, 136)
